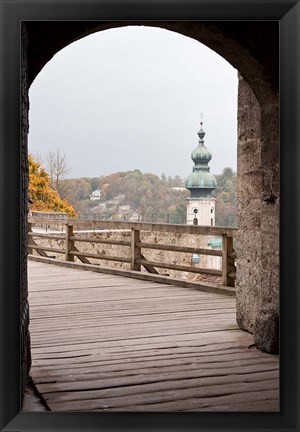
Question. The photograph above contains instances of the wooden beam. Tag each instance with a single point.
(181, 268)
(135, 250)
(82, 255)
(184, 249)
(171, 228)
(48, 236)
(116, 225)
(149, 267)
(40, 249)
(101, 241)
(69, 243)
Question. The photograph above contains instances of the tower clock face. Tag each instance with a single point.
(195, 210)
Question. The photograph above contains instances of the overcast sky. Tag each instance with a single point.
(131, 98)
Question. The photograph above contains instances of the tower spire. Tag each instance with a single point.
(201, 183)
(201, 119)
(201, 132)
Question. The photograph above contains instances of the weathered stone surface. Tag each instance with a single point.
(248, 208)
(266, 329)
(258, 219)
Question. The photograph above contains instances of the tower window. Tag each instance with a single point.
(212, 210)
(211, 222)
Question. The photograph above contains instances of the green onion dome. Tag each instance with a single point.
(201, 155)
(201, 182)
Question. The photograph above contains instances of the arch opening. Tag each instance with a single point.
(258, 153)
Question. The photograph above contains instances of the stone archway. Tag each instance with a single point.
(258, 153)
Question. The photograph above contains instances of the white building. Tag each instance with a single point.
(96, 195)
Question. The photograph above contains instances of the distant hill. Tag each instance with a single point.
(133, 195)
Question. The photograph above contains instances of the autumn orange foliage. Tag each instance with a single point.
(42, 195)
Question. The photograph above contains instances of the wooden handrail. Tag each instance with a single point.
(100, 256)
(89, 239)
(136, 259)
(46, 248)
(141, 226)
(48, 236)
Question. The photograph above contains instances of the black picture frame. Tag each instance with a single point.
(12, 13)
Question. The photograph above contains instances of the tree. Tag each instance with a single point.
(75, 190)
(42, 196)
(149, 194)
(57, 167)
(37, 157)
(225, 195)
(94, 184)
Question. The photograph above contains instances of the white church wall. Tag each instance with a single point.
(205, 214)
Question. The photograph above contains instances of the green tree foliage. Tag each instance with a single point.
(225, 195)
(146, 194)
(151, 196)
(77, 191)
(94, 183)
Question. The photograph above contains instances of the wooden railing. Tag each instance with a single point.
(70, 232)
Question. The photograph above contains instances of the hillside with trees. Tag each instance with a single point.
(133, 195)
(124, 194)
(225, 195)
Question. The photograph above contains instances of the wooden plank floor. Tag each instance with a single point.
(109, 343)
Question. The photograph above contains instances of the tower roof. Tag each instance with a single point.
(201, 182)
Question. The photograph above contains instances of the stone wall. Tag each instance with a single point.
(258, 219)
(249, 190)
(266, 328)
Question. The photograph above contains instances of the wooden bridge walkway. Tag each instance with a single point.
(110, 343)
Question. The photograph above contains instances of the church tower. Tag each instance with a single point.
(201, 205)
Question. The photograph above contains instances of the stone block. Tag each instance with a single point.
(266, 329)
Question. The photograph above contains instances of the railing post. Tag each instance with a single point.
(69, 243)
(227, 260)
(135, 249)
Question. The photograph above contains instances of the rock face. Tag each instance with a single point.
(258, 219)
(266, 329)
(249, 191)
